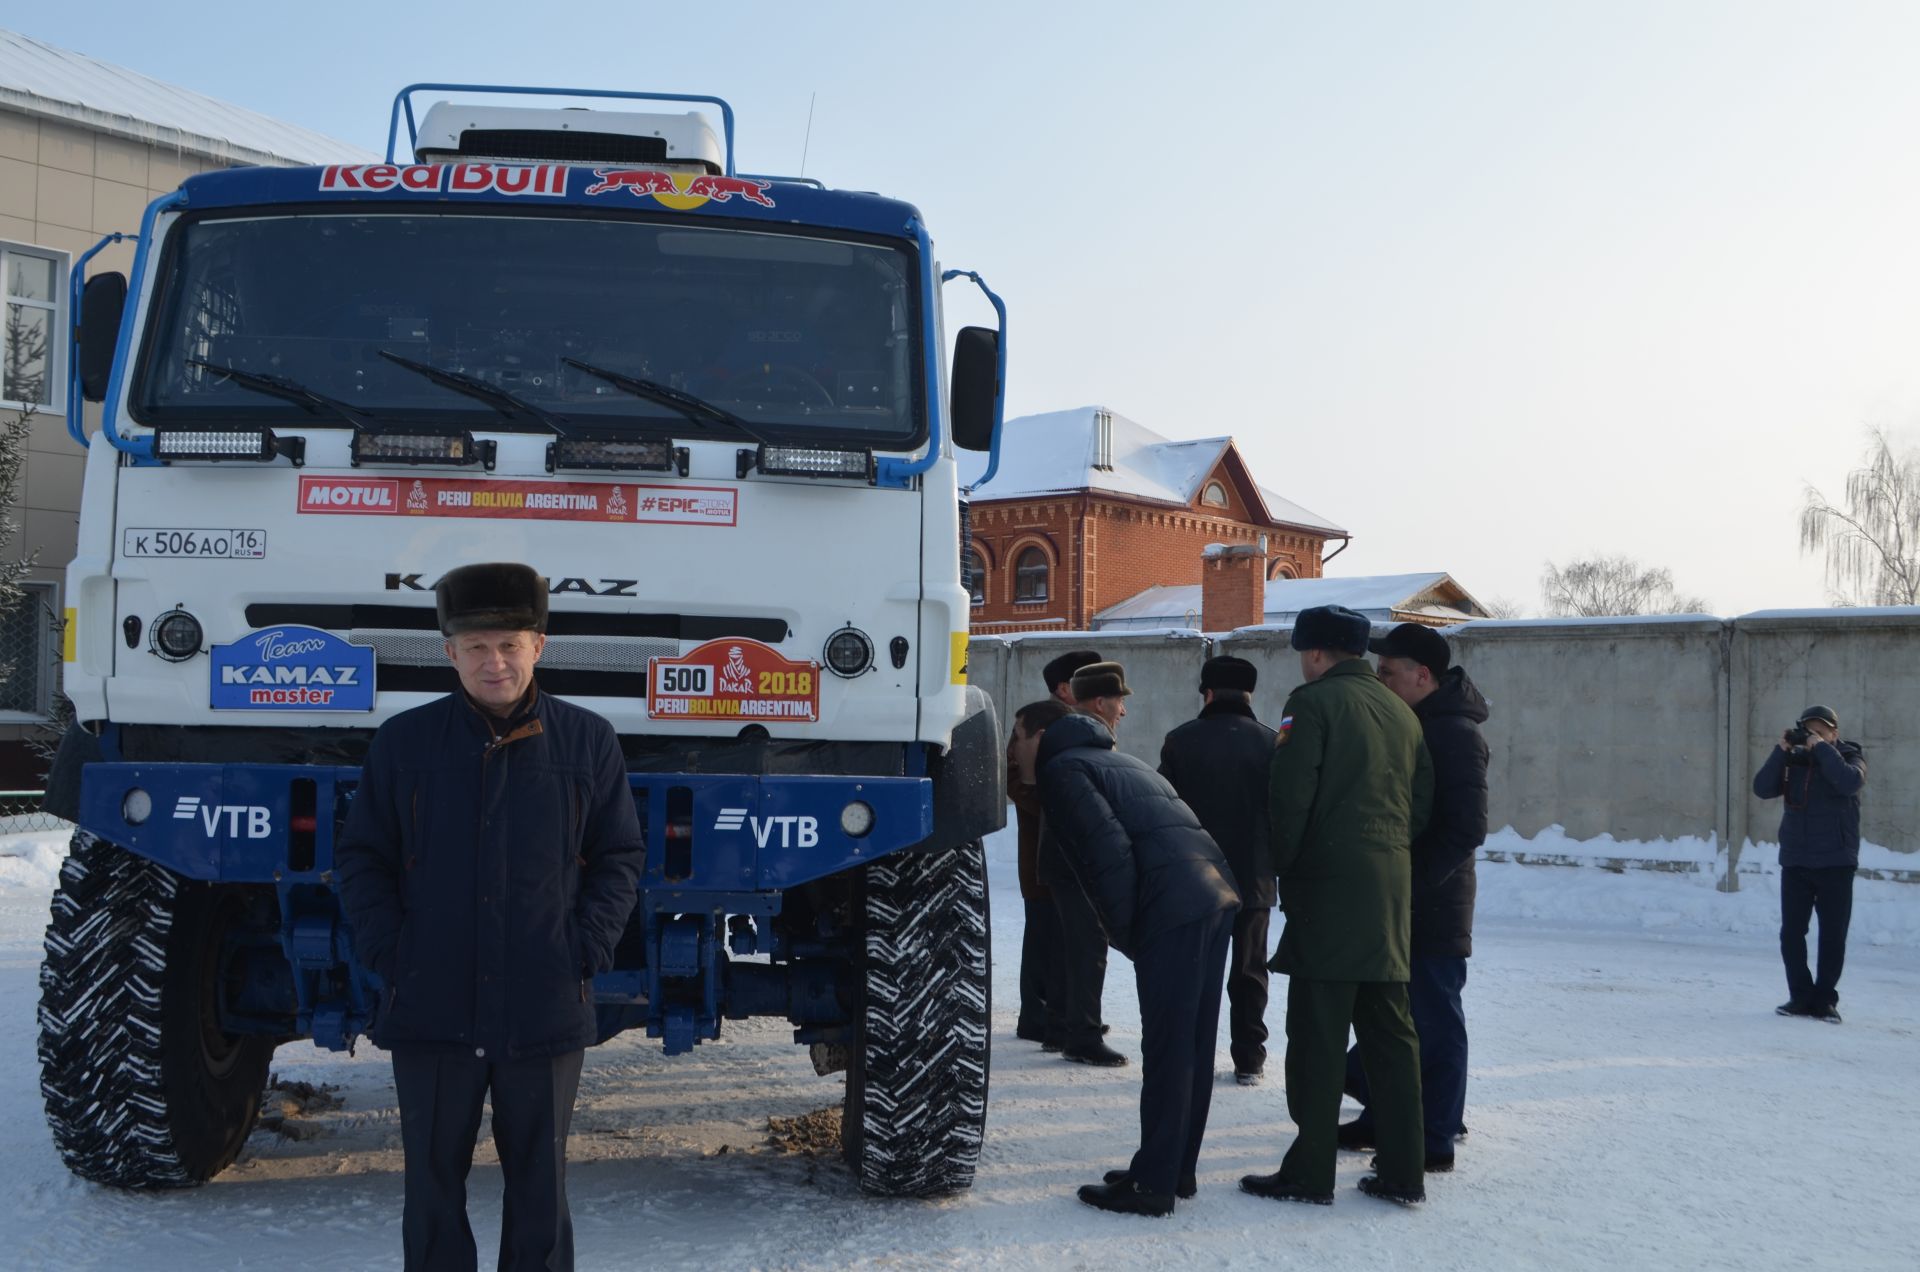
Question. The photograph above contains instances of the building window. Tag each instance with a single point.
(27, 654)
(31, 349)
(1214, 496)
(977, 577)
(1030, 576)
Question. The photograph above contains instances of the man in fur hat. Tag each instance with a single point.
(488, 869)
(1218, 762)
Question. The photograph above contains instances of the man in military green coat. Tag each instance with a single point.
(1351, 781)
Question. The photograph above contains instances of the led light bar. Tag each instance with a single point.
(805, 461)
(612, 452)
(421, 448)
(255, 445)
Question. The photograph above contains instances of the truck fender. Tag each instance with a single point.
(969, 778)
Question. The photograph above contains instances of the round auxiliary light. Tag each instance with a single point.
(856, 819)
(136, 806)
(177, 635)
(849, 652)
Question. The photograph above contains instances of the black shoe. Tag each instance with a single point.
(1830, 1014)
(1791, 1008)
(1094, 1053)
(1275, 1188)
(1439, 1163)
(1124, 1199)
(1371, 1185)
(1355, 1136)
(1185, 1192)
(1249, 1077)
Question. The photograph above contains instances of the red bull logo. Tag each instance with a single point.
(681, 191)
(446, 178)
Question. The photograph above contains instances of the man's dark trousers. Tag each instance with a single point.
(1319, 1014)
(1804, 892)
(1083, 964)
(1040, 970)
(1178, 974)
(441, 1093)
(1433, 999)
(1247, 989)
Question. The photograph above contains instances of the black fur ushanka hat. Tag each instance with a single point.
(497, 596)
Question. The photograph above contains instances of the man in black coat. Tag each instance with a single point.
(1218, 763)
(1043, 952)
(1098, 689)
(488, 869)
(1820, 775)
(1166, 900)
(1414, 664)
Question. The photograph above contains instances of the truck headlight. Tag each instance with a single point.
(856, 819)
(177, 635)
(849, 652)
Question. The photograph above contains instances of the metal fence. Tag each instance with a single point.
(21, 813)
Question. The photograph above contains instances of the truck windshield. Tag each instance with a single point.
(797, 335)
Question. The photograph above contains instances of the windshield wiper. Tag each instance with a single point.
(508, 404)
(697, 409)
(288, 390)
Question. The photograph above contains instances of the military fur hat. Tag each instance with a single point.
(1228, 672)
(1062, 669)
(499, 596)
(1100, 680)
(1331, 627)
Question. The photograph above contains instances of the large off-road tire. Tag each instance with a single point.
(142, 1087)
(917, 1077)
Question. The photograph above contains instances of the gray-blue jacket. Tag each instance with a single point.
(1820, 825)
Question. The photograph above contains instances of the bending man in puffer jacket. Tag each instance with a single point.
(1166, 898)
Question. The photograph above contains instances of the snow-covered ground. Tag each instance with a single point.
(1634, 1104)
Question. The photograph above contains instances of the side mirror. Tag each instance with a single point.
(976, 387)
(102, 302)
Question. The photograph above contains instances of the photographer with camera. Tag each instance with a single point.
(1820, 776)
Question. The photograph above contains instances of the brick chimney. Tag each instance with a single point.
(1233, 586)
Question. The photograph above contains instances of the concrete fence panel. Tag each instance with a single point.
(1865, 664)
(1163, 670)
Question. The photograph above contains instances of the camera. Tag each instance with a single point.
(1799, 735)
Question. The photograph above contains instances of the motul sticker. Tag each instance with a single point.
(731, 680)
(508, 499)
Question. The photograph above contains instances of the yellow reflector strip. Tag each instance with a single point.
(958, 657)
(67, 636)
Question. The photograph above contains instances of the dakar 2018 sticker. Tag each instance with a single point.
(730, 680)
(508, 499)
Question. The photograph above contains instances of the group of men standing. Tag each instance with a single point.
(1359, 814)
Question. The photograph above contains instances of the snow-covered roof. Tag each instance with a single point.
(43, 80)
(1055, 452)
(1380, 597)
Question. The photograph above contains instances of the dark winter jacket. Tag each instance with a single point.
(1028, 819)
(1139, 852)
(488, 868)
(1820, 825)
(1218, 764)
(1352, 785)
(1443, 878)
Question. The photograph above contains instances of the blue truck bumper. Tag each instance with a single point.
(717, 845)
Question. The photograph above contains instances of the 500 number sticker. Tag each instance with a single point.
(226, 545)
(732, 680)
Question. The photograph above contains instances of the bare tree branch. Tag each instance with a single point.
(1610, 585)
(1872, 545)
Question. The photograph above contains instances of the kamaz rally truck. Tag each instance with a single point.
(715, 411)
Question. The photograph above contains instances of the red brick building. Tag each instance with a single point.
(1089, 509)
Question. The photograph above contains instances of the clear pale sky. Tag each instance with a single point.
(1487, 283)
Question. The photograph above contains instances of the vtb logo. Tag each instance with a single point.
(258, 820)
(795, 832)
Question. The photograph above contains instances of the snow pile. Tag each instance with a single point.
(31, 862)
